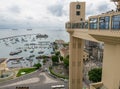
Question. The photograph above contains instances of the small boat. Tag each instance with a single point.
(40, 52)
(14, 29)
(15, 62)
(29, 29)
(14, 53)
(31, 56)
(31, 51)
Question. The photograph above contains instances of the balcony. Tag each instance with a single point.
(80, 25)
(83, 31)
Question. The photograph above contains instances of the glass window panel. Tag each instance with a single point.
(78, 7)
(116, 22)
(93, 23)
(104, 22)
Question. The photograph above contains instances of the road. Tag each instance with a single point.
(36, 80)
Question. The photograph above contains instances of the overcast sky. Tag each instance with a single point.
(44, 13)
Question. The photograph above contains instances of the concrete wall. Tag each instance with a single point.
(111, 65)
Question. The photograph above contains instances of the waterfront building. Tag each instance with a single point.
(103, 28)
(59, 42)
(3, 65)
(64, 51)
(85, 55)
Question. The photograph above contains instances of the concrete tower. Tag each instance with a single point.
(77, 14)
(77, 11)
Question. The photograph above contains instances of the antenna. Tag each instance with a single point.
(117, 3)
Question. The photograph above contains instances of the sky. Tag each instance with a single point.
(44, 13)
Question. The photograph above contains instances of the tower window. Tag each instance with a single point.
(77, 12)
(81, 19)
(77, 6)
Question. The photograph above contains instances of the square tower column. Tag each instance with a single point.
(77, 12)
(76, 63)
(111, 65)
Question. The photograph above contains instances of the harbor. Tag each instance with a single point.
(24, 49)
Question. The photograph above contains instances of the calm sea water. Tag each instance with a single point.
(53, 34)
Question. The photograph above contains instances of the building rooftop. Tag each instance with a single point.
(2, 60)
(59, 41)
(64, 51)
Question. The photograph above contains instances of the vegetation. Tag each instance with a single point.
(67, 56)
(44, 57)
(66, 44)
(66, 62)
(26, 71)
(61, 58)
(37, 66)
(44, 61)
(95, 74)
(55, 46)
(57, 53)
(58, 75)
(55, 59)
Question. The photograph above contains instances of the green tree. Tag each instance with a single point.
(95, 74)
(44, 61)
(57, 53)
(67, 56)
(61, 58)
(38, 65)
(55, 46)
(66, 62)
(66, 44)
(55, 59)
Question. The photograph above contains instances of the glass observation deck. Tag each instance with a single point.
(107, 21)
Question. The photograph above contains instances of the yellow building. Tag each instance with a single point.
(3, 65)
(85, 55)
(59, 41)
(100, 28)
(64, 52)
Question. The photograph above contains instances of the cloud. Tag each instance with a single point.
(103, 7)
(98, 7)
(14, 9)
(38, 13)
(56, 10)
(30, 18)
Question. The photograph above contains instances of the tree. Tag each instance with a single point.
(66, 44)
(44, 61)
(67, 56)
(66, 62)
(61, 58)
(38, 65)
(55, 46)
(55, 59)
(57, 53)
(95, 74)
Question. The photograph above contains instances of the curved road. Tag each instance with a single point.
(35, 80)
